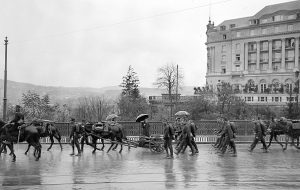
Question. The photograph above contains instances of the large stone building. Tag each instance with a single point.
(257, 55)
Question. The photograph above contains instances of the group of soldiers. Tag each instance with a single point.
(182, 131)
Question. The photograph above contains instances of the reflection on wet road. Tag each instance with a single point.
(141, 169)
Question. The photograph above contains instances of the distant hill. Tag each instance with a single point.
(63, 94)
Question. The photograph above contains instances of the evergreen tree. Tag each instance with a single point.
(130, 84)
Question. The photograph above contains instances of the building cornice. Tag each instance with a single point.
(252, 74)
(256, 36)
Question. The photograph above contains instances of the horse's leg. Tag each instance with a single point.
(4, 149)
(1, 148)
(298, 141)
(94, 144)
(12, 152)
(271, 138)
(58, 138)
(286, 141)
(39, 151)
(27, 149)
(52, 142)
(82, 143)
(102, 141)
(112, 144)
(120, 140)
(275, 137)
(116, 145)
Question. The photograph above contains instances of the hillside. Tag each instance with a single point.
(63, 94)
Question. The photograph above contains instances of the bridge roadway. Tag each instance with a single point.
(141, 169)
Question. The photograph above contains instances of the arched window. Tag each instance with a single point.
(275, 85)
(289, 85)
(263, 85)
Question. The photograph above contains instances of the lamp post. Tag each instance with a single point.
(297, 88)
(5, 82)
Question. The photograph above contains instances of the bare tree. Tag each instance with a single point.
(169, 78)
(92, 108)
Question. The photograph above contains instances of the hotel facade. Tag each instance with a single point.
(257, 55)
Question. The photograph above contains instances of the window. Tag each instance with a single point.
(252, 58)
(277, 44)
(290, 55)
(276, 56)
(277, 18)
(264, 45)
(289, 65)
(238, 34)
(224, 36)
(264, 21)
(223, 70)
(264, 57)
(237, 68)
(290, 27)
(276, 99)
(289, 87)
(237, 57)
(262, 99)
(263, 87)
(223, 48)
(290, 17)
(232, 25)
(254, 22)
(252, 67)
(276, 29)
(223, 28)
(237, 46)
(252, 46)
(264, 31)
(223, 60)
(252, 32)
(290, 42)
(249, 99)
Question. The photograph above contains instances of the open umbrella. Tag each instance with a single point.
(182, 113)
(111, 116)
(141, 117)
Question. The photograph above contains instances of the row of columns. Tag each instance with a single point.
(270, 56)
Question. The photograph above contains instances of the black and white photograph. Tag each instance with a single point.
(149, 94)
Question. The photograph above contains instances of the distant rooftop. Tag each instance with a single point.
(241, 22)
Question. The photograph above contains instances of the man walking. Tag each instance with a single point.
(168, 137)
(259, 135)
(75, 136)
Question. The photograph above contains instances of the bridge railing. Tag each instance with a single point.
(204, 127)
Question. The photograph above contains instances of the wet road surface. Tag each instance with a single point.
(139, 168)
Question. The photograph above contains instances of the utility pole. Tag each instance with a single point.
(176, 87)
(5, 82)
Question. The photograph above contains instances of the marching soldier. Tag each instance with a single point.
(186, 136)
(229, 135)
(168, 137)
(75, 136)
(259, 135)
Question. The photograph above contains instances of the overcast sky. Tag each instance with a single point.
(91, 43)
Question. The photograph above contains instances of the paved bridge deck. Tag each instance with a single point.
(141, 169)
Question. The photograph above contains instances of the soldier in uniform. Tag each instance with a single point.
(259, 135)
(229, 135)
(146, 128)
(168, 137)
(18, 118)
(75, 136)
(17, 121)
(186, 136)
(219, 140)
(193, 128)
